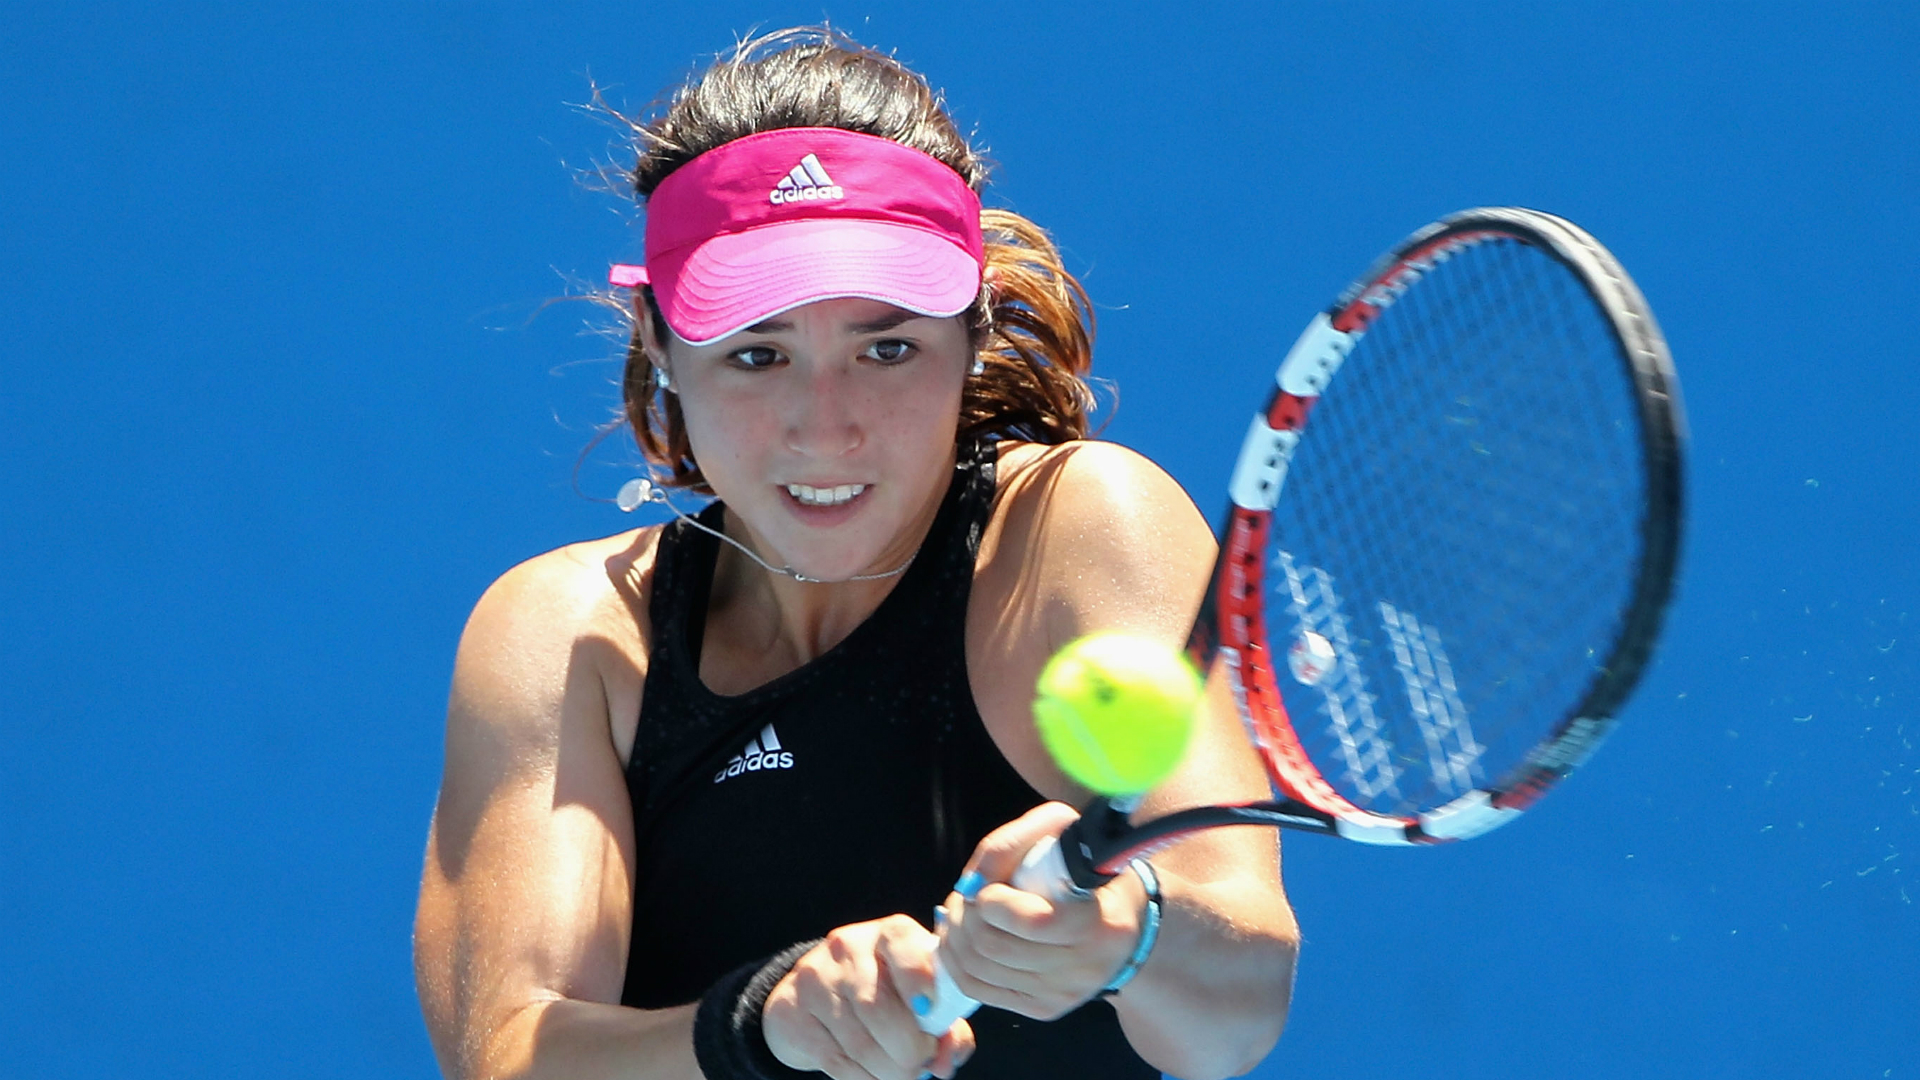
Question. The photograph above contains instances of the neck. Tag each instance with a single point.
(791, 621)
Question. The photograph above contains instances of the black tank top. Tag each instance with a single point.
(852, 788)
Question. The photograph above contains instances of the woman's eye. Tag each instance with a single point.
(889, 351)
(755, 356)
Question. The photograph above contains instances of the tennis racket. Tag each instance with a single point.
(1448, 549)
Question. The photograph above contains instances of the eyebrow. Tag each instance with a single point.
(886, 322)
(875, 326)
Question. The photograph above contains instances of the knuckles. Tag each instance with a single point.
(810, 983)
(900, 924)
(842, 940)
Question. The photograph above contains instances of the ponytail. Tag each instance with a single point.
(1034, 338)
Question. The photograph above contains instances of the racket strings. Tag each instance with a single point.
(1453, 524)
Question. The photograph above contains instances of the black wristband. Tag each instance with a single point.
(727, 1040)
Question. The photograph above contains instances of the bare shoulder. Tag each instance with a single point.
(1110, 540)
(1085, 536)
(566, 628)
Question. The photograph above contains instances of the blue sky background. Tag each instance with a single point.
(280, 393)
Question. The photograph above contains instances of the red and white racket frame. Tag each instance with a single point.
(1231, 625)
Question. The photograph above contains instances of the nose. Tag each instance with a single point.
(822, 420)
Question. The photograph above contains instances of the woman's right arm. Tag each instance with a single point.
(520, 942)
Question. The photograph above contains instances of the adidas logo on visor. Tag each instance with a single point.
(808, 182)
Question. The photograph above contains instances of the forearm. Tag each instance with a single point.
(583, 1040)
(1213, 996)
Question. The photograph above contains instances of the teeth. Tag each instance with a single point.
(833, 496)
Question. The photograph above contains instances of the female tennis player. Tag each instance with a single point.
(707, 783)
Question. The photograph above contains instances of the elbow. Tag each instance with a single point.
(497, 1050)
(1221, 1058)
(1228, 1027)
(1230, 1046)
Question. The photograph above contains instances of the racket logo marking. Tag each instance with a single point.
(1453, 755)
(1345, 700)
(1311, 659)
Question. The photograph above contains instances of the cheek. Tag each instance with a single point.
(919, 421)
(722, 439)
(926, 407)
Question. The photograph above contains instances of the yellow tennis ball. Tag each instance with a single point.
(1114, 710)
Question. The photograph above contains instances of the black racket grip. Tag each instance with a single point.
(1092, 840)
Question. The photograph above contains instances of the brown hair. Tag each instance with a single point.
(1033, 325)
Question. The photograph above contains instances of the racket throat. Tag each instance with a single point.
(1102, 827)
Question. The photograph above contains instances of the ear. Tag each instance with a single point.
(652, 340)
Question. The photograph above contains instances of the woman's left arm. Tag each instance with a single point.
(1104, 539)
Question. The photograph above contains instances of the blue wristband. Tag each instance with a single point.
(1149, 928)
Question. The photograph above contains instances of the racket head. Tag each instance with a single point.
(1452, 532)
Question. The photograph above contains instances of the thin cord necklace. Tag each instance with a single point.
(640, 491)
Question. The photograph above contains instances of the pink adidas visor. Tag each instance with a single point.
(772, 221)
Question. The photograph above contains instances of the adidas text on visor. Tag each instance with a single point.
(772, 221)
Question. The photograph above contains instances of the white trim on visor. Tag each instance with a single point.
(758, 319)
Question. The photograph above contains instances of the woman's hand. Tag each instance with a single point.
(1028, 953)
(843, 1008)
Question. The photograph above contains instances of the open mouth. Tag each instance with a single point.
(807, 495)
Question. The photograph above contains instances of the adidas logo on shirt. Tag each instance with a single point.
(762, 752)
(808, 182)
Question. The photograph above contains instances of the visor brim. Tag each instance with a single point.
(733, 281)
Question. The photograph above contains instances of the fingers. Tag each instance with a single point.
(813, 1047)
(999, 854)
(1032, 955)
(879, 1030)
(1004, 965)
(841, 1011)
(1029, 917)
(955, 1047)
(906, 952)
(1002, 968)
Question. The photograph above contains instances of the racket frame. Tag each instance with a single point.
(1231, 626)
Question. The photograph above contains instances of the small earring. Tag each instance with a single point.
(979, 366)
(661, 379)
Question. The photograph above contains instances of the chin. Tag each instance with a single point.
(839, 566)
